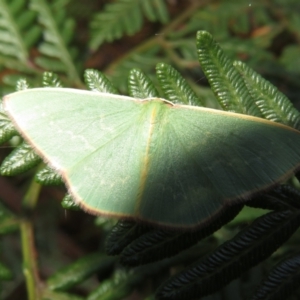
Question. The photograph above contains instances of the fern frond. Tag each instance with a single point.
(273, 105)
(124, 17)
(155, 10)
(18, 33)
(118, 287)
(57, 54)
(145, 61)
(7, 129)
(229, 260)
(159, 244)
(140, 86)
(78, 271)
(122, 234)
(69, 203)
(47, 176)
(51, 80)
(175, 87)
(281, 282)
(97, 81)
(224, 80)
(22, 159)
(22, 84)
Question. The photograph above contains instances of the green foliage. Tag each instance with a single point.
(58, 31)
(125, 17)
(79, 271)
(20, 160)
(98, 82)
(272, 104)
(175, 88)
(38, 36)
(140, 86)
(18, 32)
(47, 176)
(249, 247)
(225, 81)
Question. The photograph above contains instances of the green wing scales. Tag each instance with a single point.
(173, 165)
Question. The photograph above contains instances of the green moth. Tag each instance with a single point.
(151, 160)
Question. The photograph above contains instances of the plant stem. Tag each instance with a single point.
(30, 270)
(31, 197)
(30, 267)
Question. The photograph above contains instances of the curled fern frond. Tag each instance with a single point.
(98, 82)
(281, 282)
(51, 80)
(17, 34)
(47, 176)
(140, 86)
(22, 159)
(122, 234)
(159, 244)
(124, 17)
(252, 245)
(225, 81)
(175, 87)
(57, 54)
(271, 102)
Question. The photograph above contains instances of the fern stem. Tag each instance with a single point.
(31, 196)
(30, 269)
(160, 37)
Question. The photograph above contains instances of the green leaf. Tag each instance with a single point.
(69, 203)
(157, 244)
(20, 160)
(249, 247)
(124, 17)
(47, 176)
(98, 82)
(120, 286)
(79, 271)
(172, 165)
(51, 80)
(118, 18)
(18, 31)
(140, 86)
(224, 80)
(273, 105)
(7, 129)
(122, 234)
(22, 84)
(155, 10)
(56, 51)
(175, 87)
(281, 282)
